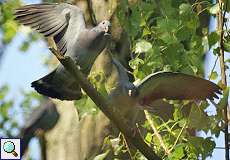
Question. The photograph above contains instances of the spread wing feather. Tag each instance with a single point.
(174, 86)
(53, 20)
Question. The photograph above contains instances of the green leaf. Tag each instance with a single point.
(197, 118)
(148, 138)
(168, 38)
(177, 114)
(214, 9)
(167, 25)
(227, 46)
(184, 33)
(224, 101)
(203, 146)
(134, 63)
(213, 75)
(102, 156)
(10, 29)
(185, 8)
(146, 32)
(142, 46)
(24, 47)
(85, 106)
(205, 44)
(216, 51)
(227, 60)
(179, 152)
(213, 38)
(3, 91)
(194, 68)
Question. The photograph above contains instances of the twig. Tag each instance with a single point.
(219, 148)
(111, 112)
(182, 129)
(42, 140)
(214, 66)
(148, 117)
(127, 146)
(91, 13)
(220, 25)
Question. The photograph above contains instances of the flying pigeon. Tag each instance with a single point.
(43, 118)
(65, 24)
(155, 87)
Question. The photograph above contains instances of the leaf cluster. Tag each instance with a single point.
(165, 37)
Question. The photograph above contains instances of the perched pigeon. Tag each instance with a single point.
(156, 86)
(65, 23)
(43, 118)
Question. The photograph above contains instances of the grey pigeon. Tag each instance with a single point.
(156, 86)
(65, 23)
(43, 118)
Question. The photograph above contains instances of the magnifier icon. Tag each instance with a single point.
(9, 147)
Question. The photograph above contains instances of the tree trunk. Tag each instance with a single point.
(74, 139)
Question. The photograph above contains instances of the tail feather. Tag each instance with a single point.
(46, 87)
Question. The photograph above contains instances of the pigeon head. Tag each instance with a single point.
(105, 26)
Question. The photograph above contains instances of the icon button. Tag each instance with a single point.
(10, 149)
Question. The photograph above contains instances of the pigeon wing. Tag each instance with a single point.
(53, 20)
(175, 86)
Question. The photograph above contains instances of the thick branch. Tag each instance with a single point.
(122, 124)
(220, 26)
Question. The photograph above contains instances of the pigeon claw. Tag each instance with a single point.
(134, 131)
(56, 53)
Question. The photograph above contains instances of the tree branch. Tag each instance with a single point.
(91, 13)
(111, 112)
(220, 27)
(42, 140)
(148, 117)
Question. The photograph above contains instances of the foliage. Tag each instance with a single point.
(9, 27)
(85, 105)
(9, 123)
(7, 23)
(164, 36)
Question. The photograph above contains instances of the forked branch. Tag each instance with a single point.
(114, 115)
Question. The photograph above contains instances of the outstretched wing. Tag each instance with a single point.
(174, 86)
(63, 21)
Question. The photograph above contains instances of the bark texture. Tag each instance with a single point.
(74, 139)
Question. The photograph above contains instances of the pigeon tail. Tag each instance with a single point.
(45, 87)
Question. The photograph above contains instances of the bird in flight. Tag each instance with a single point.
(66, 25)
(154, 88)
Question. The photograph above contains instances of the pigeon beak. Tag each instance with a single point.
(107, 28)
(130, 92)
